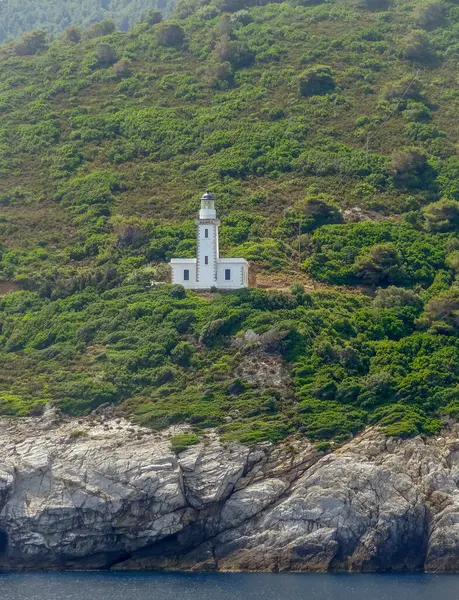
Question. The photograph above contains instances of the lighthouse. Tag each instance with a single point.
(208, 270)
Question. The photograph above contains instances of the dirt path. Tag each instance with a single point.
(283, 281)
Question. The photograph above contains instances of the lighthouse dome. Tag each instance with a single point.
(207, 206)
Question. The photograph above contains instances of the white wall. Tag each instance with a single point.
(178, 273)
(207, 247)
(239, 275)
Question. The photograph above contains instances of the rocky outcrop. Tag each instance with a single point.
(103, 493)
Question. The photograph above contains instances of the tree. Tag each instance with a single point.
(375, 4)
(406, 88)
(220, 75)
(318, 210)
(416, 47)
(237, 53)
(31, 43)
(429, 14)
(442, 216)
(442, 312)
(448, 177)
(153, 17)
(170, 34)
(394, 297)
(105, 54)
(122, 68)
(182, 353)
(408, 166)
(73, 34)
(380, 265)
(316, 81)
(376, 389)
(234, 5)
(100, 29)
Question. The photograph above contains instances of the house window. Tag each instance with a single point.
(227, 274)
(206, 233)
(206, 260)
(186, 275)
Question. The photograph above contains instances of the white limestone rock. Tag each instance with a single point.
(106, 493)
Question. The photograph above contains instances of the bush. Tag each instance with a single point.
(374, 252)
(153, 17)
(105, 55)
(323, 446)
(406, 88)
(448, 177)
(316, 80)
(31, 43)
(102, 28)
(73, 34)
(123, 68)
(405, 421)
(375, 4)
(182, 354)
(318, 210)
(380, 266)
(393, 297)
(416, 47)
(442, 216)
(180, 442)
(442, 311)
(429, 14)
(170, 34)
(408, 166)
(235, 52)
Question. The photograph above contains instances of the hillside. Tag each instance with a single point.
(18, 17)
(335, 118)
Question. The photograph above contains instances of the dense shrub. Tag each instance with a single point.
(375, 253)
(375, 4)
(448, 179)
(316, 80)
(123, 68)
(99, 29)
(393, 297)
(429, 14)
(73, 34)
(416, 47)
(442, 215)
(381, 265)
(442, 311)
(409, 167)
(105, 55)
(31, 43)
(170, 34)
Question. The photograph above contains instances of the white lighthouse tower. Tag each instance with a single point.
(208, 270)
(207, 253)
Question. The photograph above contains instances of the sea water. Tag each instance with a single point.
(184, 586)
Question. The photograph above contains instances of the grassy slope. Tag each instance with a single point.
(100, 174)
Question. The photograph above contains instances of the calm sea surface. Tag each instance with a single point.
(118, 586)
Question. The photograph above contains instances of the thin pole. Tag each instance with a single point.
(299, 244)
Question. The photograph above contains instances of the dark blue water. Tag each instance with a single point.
(118, 586)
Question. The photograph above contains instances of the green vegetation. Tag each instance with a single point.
(333, 157)
(182, 441)
(18, 17)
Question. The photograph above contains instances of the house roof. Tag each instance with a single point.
(230, 261)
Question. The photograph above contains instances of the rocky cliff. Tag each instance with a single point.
(103, 493)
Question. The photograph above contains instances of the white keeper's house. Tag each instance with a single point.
(208, 270)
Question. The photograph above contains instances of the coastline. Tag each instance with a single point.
(100, 493)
